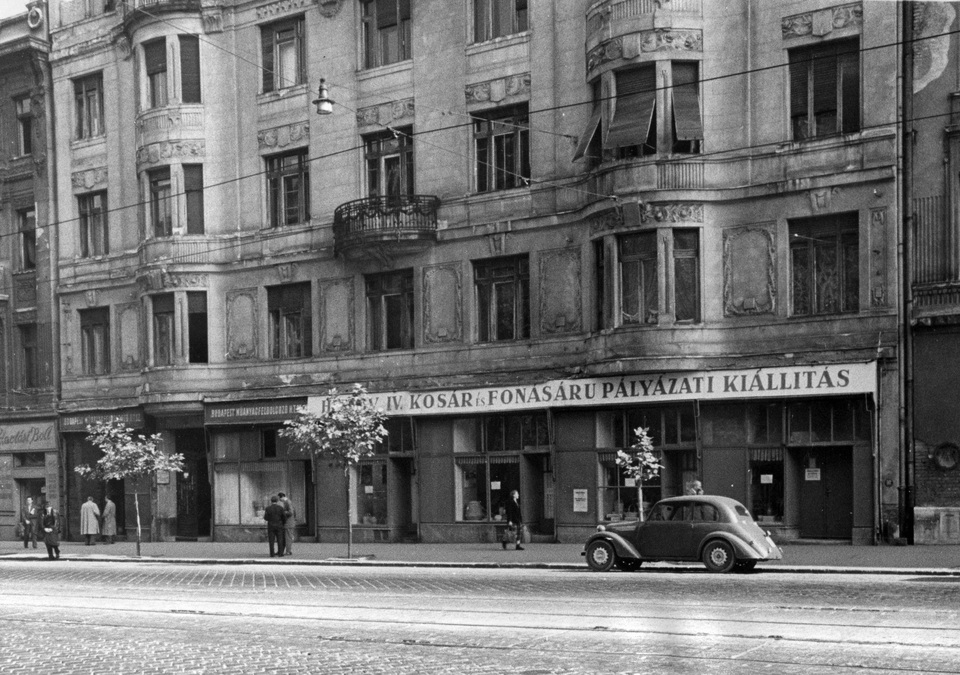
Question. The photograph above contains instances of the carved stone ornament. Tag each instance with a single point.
(610, 219)
(878, 257)
(281, 137)
(497, 90)
(611, 50)
(559, 278)
(92, 296)
(160, 279)
(822, 22)
(121, 43)
(386, 113)
(442, 308)
(820, 200)
(666, 39)
(330, 8)
(89, 179)
(281, 8)
(749, 271)
(671, 213)
(212, 18)
(157, 152)
(286, 271)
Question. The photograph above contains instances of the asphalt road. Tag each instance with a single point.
(62, 617)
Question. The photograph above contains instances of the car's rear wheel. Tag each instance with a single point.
(601, 556)
(718, 556)
(628, 564)
(745, 566)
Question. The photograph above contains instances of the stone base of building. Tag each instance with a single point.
(936, 525)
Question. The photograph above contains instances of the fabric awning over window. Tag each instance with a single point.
(635, 105)
(588, 133)
(686, 113)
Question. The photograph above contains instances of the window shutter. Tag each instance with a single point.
(193, 188)
(635, 106)
(163, 304)
(196, 303)
(588, 133)
(404, 10)
(799, 73)
(850, 91)
(824, 82)
(481, 30)
(155, 56)
(301, 52)
(267, 40)
(387, 13)
(686, 102)
(190, 68)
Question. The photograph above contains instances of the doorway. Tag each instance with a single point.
(193, 486)
(826, 493)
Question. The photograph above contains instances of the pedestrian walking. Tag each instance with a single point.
(90, 520)
(514, 519)
(109, 530)
(273, 514)
(290, 524)
(50, 523)
(30, 522)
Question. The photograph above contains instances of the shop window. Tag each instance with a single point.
(189, 68)
(502, 149)
(88, 106)
(512, 433)
(243, 491)
(94, 239)
(283, 48)
(672, 427)
(498, 18)
(372, 493)
(197, 326)
(655, 259)
(160, 203)
(825, 265)
(831, 421)
(765, 424)
(288, 188)
(389, 160)
(193, 191)
(503, 298)
(164, 330)
(618, 492)
(766, 484)
(29, 460)
(155, 63)
(399, 436)
(484, 485)
(290, 321)
(386, 32)
(687, 127)
(27, 235)
(29, 357)
(633, 129)
(390, 310)
(24, 111)
(825, 89)
(95, 340)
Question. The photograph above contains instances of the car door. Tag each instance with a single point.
(704, 520)
(664, 535)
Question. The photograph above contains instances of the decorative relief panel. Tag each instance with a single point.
(611, 219)
(128, 336)
(878, 258)
(442, 309)
(657, 40)
(560, 292)
(242, 322)
(25, 290)
(822, 22)
(671, 213)
(497, 90)
(749, 270)
(90, 179)
(162, 152)
(212, 18)
(386, 113)
(278, 9)
(281, 137)
(66, 345)
(168, 122)
(330, 8)
(159, 279)
(336, 315)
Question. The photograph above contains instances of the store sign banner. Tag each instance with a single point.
(829, 380)
(250, 412)
(31, 436)
(80, 421)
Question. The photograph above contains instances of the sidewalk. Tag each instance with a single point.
(822, 558)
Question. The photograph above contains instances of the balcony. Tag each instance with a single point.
(385, 227)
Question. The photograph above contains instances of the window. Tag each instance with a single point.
(390, 311)
(24, 126)
(633, 129)
(27, 226)
(660, 274)
(389, 159)
(825, 89)
(95, 340)
(825, 264)
(372, 495)
(93, 224)
(161, 211)
(766, 484)
(687, 126)
(290, 321)
(590, 145)
(639, 278)
(88, 103)
(282, 45)
(189, 68)
(197, 326)
(399, 436)
(496, 18)
(28, 356)
(483, 486)
(288, 188)
(686, 275)
(193, 190)
(503, 302)
(503, 149)
(512, 433)
(386, 32)
(155, 59)
(164, 330)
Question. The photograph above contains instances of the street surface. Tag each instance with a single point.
(101, 617)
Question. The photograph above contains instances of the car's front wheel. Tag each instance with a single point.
(628, 564)
(718, 556)
(600, 556)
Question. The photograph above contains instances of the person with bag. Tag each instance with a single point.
(514, 532)
(51, 532)
(29, 523)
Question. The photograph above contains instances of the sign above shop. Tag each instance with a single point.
(80, 421)
(27, 437)
(253, 412)
(707, 385)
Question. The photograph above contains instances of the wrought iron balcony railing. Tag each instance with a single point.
(406, 222)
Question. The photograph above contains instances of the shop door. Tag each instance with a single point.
(826, 493)
(193, 486)
(536, 494)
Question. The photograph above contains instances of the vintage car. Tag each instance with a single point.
(718, 531)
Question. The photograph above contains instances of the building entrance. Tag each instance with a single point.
(193, 486)
(826, 493)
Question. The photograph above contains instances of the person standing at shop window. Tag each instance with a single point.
(274, 515)
(90, 520)
(51, 531)
(290, 524)
(30, 522)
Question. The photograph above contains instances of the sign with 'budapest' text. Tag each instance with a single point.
(828, 380)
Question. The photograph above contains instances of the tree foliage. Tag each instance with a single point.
(640, 462)
(126, 455)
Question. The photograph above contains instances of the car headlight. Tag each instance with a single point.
(601, 528)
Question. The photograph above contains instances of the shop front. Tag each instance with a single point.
(29, 468)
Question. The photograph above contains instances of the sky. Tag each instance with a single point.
(11, 7)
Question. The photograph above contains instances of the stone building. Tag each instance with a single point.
(29, 465)
(528, 227)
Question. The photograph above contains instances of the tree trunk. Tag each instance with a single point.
(136, 504)
(346, 474)
(640, 500)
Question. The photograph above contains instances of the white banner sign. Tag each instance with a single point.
(710, 385)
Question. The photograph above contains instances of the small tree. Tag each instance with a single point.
(347, 430)
(640, 462)
(127, 456)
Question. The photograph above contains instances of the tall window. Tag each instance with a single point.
(24, 126)
(825, 265)
(164, 330)
(633, 129)
(282, 46)
(687, 128)
(496, 18)
(161, 208)
(27, 231)
(197, 326)
(155, 59)
(590, 145)
(389, 160)
(95, 340)
(193, 190)
(660, 272)
(30, 364)
(88, 104)
(686, 275)
(93, 224)
(825, 89)
(390, 310)
(288, 188)
(290, 321)
(502, 148)
(386, 32)
(503, 298)
(189, 68)
(639, 278)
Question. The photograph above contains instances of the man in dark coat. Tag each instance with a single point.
(515, 517)
(275, 515)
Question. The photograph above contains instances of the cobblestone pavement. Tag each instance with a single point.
(159, 618)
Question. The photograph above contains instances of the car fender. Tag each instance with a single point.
(741, 550)
(621, 546)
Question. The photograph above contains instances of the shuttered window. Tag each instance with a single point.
(190, 68)
(687, 125)
(155, 61)
(193, 190)
(634, 122)
(825, 89)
